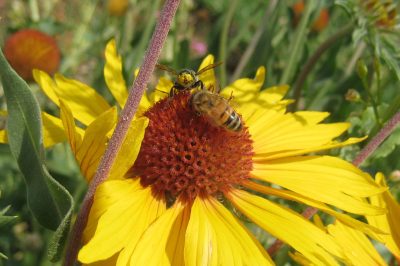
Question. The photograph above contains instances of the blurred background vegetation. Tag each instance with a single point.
(338, 56)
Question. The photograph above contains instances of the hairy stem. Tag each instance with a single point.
(311, 62)
(135, 94)
(377, 140)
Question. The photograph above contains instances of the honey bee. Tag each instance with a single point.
(186, 79)
(217, 109)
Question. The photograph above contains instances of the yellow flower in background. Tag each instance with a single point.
(167, 200)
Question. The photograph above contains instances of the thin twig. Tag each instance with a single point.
(352, 62)
(135, 94)
(298, 84)
(254, 41)
(377, 140)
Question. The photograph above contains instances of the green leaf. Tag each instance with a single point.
(4, 220)
(50, 203)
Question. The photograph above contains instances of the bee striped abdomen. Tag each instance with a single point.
(217, 110)
(233, 122)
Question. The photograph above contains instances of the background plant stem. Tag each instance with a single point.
(223, 44)
(311, 62)
(253, 43)
(298, 43)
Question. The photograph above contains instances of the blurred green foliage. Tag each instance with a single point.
(284, 45)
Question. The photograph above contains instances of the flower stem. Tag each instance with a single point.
(311, 62)
(393, 108)
(256, 37)
(223, 44)
(377, 140)
(135, 94)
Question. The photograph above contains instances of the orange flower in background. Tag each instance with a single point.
(29, 49)
(318, 25)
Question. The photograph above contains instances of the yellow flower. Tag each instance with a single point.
(178, 180)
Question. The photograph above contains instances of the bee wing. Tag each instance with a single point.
(167, 68)
(211, 66)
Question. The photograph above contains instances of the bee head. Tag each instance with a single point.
(186, 78)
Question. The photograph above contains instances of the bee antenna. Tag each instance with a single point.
(161, 91)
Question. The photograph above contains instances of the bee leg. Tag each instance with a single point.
(172, 91)
(230, 97)
(211, 88)
(202, 87)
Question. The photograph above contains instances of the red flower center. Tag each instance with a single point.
(183, 155)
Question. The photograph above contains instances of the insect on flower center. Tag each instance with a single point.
(183, 155)
(186, 77)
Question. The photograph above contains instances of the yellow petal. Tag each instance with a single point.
(53, 131)
(84, 100)
(113, 74)
(290, 227)
(148, 212)
(130, 148)
(162, 90)
(74, 137)
(278, 134)
(3, 136)
(208, 76)
(299, 258)
(289, 195)
(272, 95)
(95, 141)
(390, 221)
(46, 84)
(357, 247)
(122, 224)
(264, 157)
(323, 178)
(215, 237)
(245, 90)
(163, 236)
(107, 194)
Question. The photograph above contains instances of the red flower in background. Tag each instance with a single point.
(29, 49)
(318, 24)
